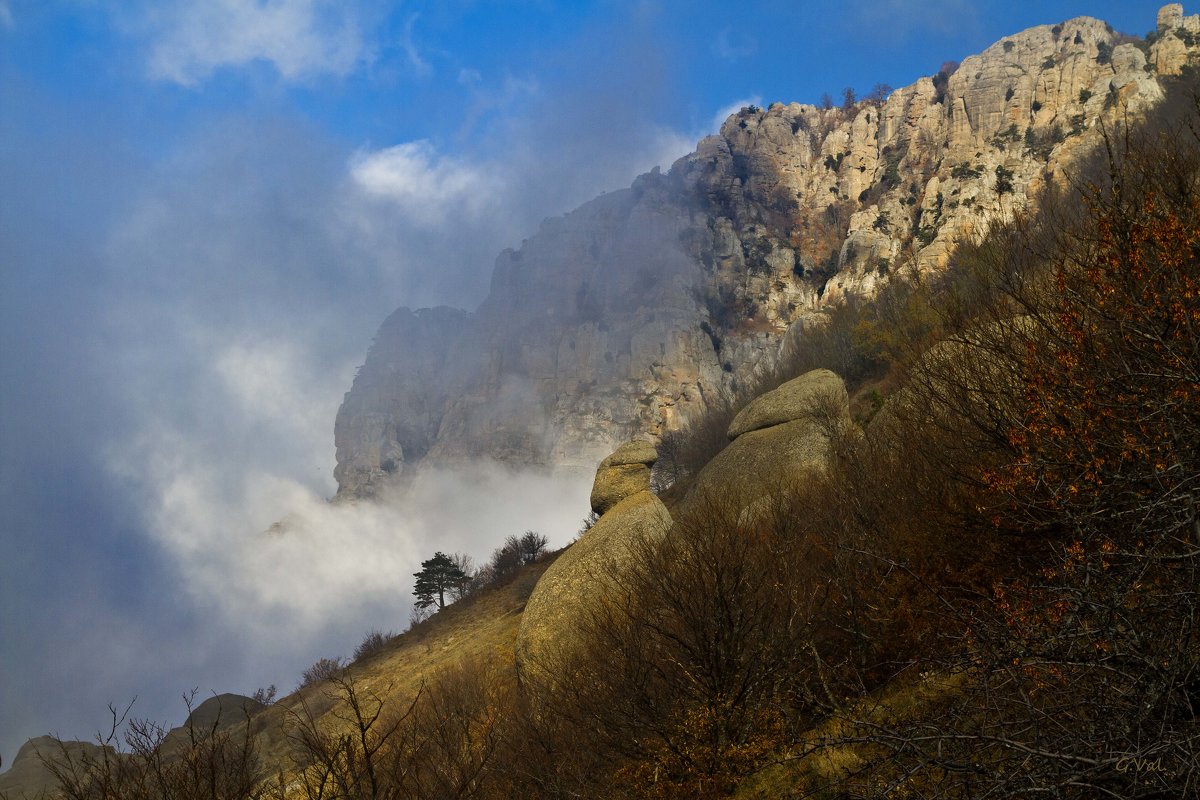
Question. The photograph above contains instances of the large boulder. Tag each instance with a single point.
(799, 398)
(761, 461)
(779, 438)
(623, 474)
(581, 578)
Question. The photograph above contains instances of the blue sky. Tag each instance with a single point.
(206, 209)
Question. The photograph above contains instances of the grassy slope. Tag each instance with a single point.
(482, 625)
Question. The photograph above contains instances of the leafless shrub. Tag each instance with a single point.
(444, 742)
(265, 695)
(417, 616)
(324, 669)
(138, 761)
(359, 753)
(374, 642)
(466, 565)
(683, 453)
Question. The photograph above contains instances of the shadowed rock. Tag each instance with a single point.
(799, 398)
(771, 456)
(218, 713)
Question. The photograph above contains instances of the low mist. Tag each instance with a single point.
(197, 284)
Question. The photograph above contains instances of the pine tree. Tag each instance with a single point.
(437, 576)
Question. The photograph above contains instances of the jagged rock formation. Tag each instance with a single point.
(625, 315)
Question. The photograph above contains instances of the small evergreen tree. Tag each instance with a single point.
(438, 575)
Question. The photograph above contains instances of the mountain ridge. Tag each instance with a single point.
(646, 305)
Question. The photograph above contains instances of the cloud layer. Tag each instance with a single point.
(190, 41)
(189, 317)
(425, 187)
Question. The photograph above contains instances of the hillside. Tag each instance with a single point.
(942, 541)
(480, 630)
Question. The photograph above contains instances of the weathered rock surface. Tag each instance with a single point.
(799, 398)
(774, 456)
(622, 474)
(581, 577)
(640, 307)
(1175, 46)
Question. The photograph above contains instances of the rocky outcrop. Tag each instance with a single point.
(590, 335)
(779, 439)
(636, 310)
(581, 578)
(622, 474)
(799, 398)
(1174, 46)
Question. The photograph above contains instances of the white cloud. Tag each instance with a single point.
(214, 493)
(667, 146)
(725, 112)
(300, 38)
(428, 188)
(734, 47)
(6, 17)
(408, 44)
(247, 553)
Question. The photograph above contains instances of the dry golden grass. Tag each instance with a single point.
(482, 626)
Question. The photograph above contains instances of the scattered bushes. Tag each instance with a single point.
(445, 742)
(324, 669)
(374, 642)
(1004, 179)
(265, 696)
(138, 761)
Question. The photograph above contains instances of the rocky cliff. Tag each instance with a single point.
(625, 315)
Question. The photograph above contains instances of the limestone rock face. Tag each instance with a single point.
(622, 474)
(1174, 47)
(799, 398)
(394, 410)
(637, 310)
(580, 577)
